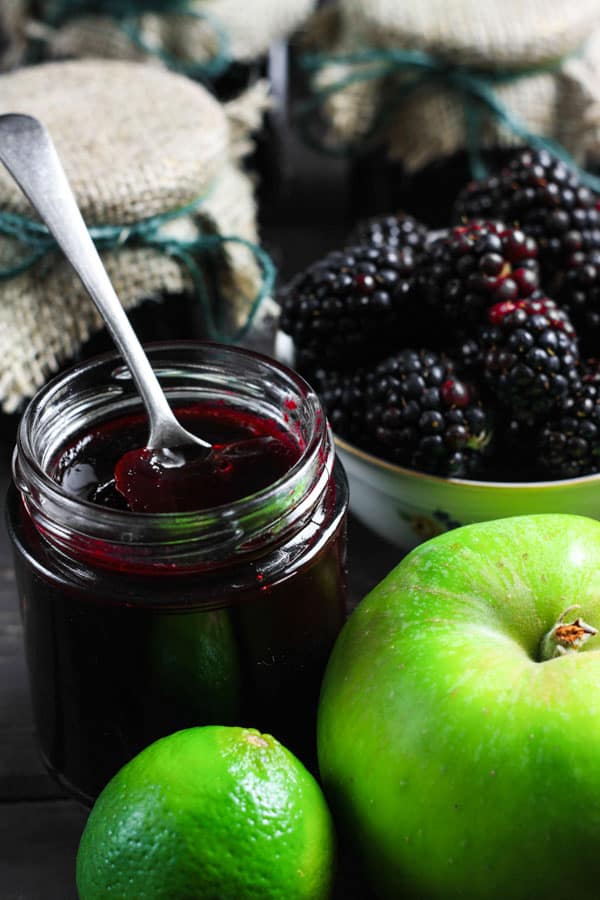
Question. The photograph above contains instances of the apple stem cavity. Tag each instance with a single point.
(565, 638)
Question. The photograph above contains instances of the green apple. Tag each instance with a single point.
(459, 723)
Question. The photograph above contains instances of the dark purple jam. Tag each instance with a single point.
(121, 653)
(110, 465)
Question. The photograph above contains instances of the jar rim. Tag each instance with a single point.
(224, 526)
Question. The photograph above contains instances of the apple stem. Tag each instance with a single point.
(566, 637)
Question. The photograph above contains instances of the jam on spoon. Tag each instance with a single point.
(108, 467)
(180, 479)
(175, 480)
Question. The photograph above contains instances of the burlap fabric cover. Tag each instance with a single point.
(514, 35)
(251, 26)
(135, 142)
(13, 14)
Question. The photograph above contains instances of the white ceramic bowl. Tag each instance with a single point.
(406, 507)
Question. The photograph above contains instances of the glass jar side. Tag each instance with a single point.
(93, 395)
(109, 673)
(120, 655)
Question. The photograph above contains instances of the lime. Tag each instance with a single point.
(209, 813)
(194, 670)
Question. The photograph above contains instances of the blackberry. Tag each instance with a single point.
(545, 198)
(422, 416)
(347, 308)
(580, 294)
(590, 372)
(468, 356)
(569, 444)
(342, 396)
(473, 267)
(530, 356)
(400, 230)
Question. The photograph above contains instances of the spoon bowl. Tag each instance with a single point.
(160, 481)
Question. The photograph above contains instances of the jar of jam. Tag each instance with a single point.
(141, 623)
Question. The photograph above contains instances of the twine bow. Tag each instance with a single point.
(474, 87)
(35, 237)
(126, 14)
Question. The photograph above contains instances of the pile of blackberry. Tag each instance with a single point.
(569, 442)
(474, 266)
(399, 230)
(530, 357)
(345, 308)
(469, 354)
(342, 396)
(579, 292)
(425, 416)
(543, 197)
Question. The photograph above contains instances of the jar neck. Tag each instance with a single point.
(248, 528)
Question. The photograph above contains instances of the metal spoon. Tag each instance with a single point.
(27, 151)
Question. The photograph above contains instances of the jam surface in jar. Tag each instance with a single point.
(110, 466)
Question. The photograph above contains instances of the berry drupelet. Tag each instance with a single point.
(350, 307)
(400, 230)
(342, 396)
(545, 198)
(422, 416)
(530, 357)
(473, 267)
(579, 293)
(590, 371)
(569, 444)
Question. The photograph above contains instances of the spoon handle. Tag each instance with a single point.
(27, 151)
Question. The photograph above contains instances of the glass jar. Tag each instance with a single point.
(137, 625)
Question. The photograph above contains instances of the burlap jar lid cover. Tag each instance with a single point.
(197, 37)
(430, 77)
(13, 16)
(153, 160)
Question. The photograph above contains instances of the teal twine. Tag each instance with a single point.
(57, 11)
(476, 89)
(127, 12)
(201, 71)
(147, 233)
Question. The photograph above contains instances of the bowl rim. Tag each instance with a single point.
(376, 461)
